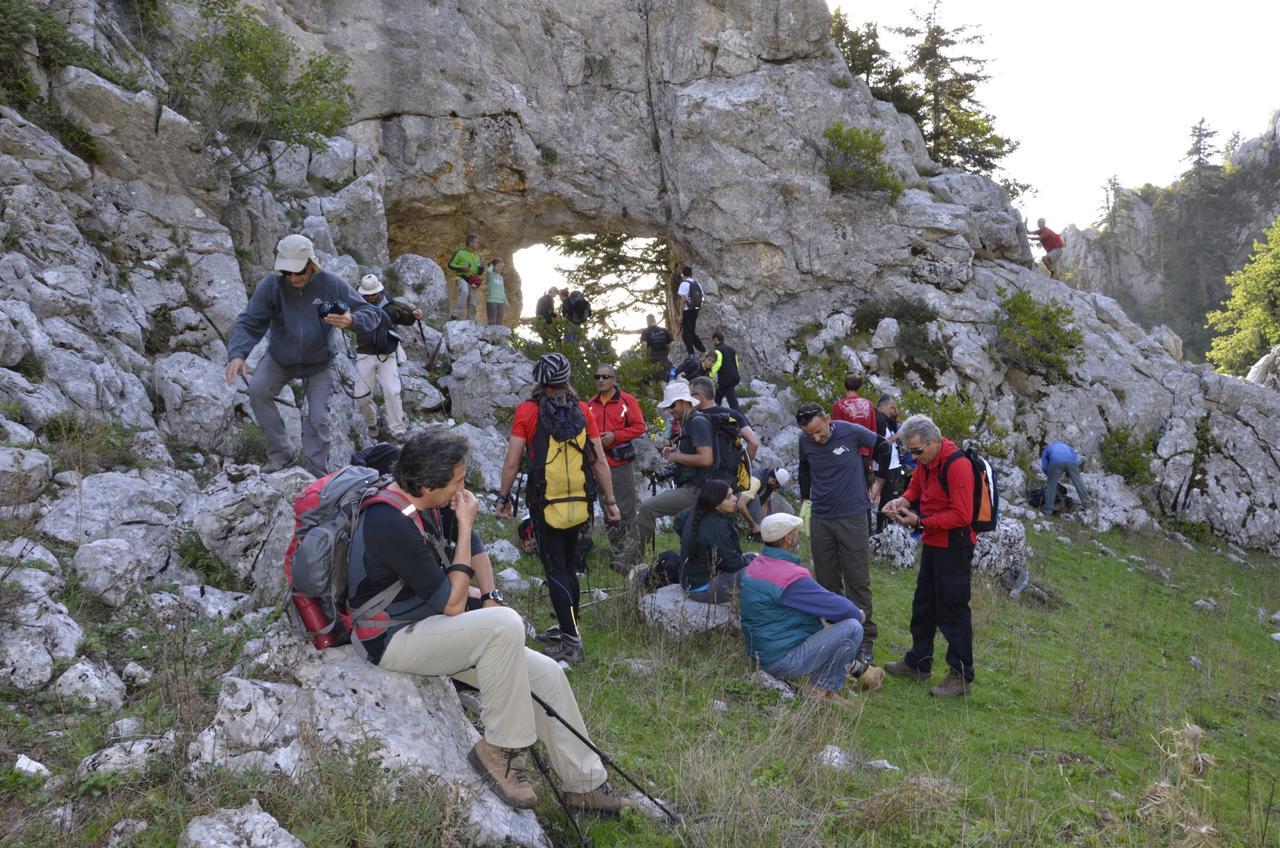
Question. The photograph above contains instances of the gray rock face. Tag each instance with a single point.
(669, 609)
(27, 653)
(1266, 371)
(488, 376)
(488, 448)
(894, 545)
(94, 682)
(1003, 552)
(416, 724)
(109, 569)
(23, 475)
(197, 400)
(133, 755)
(248, 826)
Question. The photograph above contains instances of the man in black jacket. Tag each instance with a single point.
(727, 377)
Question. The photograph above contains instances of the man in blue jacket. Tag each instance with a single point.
(289, 302)
(782, 610)
(1056, 458)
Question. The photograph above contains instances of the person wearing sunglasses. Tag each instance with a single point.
(296, 307)
(943, 514)
(834, 482)
(620, 419)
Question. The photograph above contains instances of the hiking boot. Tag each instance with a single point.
(271, 466)
(953, 686)
(866, 654)
(871, 679)
(901, 669)
(567, 650)
(826, 696)
(503, 770)
(550, 636)
(603, 801)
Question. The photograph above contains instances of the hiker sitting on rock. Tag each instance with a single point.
(782, 609)
(1056, 459)
(426, 628)
(710, 553)
(296, 307)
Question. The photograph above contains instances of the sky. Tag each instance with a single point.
(1091, 89)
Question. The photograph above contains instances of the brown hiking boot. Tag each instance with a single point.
(871, 679)
(503, 770)
(826, 696)
(602, 801)
(953, 686)
(899, 668)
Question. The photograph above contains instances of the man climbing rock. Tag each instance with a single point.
(689, 294)
(1052, 244)
(466, 263)
(296, 307)
(1056, 459)
(725, 372)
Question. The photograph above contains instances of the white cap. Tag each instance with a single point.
(293, 253)
(782, 475)
(778, 525)
(674, 391)
(370, 284)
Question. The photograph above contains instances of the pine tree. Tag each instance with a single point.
(638, 268)
(955, 127)
(1248, 325)
(869, 59)
(1202, 148)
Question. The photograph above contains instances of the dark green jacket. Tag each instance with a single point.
(716, 540)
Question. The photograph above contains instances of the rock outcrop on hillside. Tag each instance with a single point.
(1164, 252)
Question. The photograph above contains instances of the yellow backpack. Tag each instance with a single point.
(561, 483)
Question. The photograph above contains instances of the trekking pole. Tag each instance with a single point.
(541, 764)
(431, 360)
(604, 757)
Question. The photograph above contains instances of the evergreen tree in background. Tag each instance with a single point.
(1248, 325)
(638, 268)
(937, 86)
(1202, 148)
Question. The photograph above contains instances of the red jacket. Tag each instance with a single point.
(941, 512)
(619, 415)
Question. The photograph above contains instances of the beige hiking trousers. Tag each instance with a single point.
(485, 648)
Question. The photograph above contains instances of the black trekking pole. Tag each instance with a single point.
(541, 764)
(431, 360)
(604, 757)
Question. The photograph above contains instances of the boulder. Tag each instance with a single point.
(28, 767)
(500, 550)
(422, 282)
(488, 449)
(27, 654)
(511, 581)
(124, 831)
(487, 375)
(23, 475)
(197, 402)
(94, 682)
(669, 609)
(1003, 552)
(894, 545)
(24, 551)
(246, 826)
(416, 724)
(357, 215)
(109, 569)
(25, 663)
(133, 755)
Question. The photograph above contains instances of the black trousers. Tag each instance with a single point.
(942, 603)
(894, 485)
(688, 332)
(729, 396)
(556, 549)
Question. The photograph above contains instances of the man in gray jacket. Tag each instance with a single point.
(291, 302)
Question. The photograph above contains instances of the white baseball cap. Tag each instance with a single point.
(293, 253)
(782, 475)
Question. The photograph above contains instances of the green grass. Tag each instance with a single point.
(1068, 707)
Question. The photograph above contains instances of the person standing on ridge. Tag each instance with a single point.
(495, 298)
(726, 372)
(690, 296)
(466, 263)
(1052, 244)
(300, 305)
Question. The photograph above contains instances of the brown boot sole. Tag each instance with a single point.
(492, 783)
(902, 670)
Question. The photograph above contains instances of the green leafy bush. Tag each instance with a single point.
(917, 348)
(1037, 338)
(854, 159)
(1124, 453)
(246, 82)
(904, 308)
(955, 415)
(583, 352)
(1248, 324)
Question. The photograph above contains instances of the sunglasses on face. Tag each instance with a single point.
(803, 418)
(604, 376)
(916, 451)
(287, 274)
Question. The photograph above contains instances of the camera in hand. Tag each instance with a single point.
(665, 473)
(332, 307)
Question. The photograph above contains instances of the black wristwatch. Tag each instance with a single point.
(465, 569)
(494, 596)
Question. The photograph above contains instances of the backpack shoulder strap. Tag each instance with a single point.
(946, 468)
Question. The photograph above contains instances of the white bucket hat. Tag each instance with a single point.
(674, 391)
(370, 284)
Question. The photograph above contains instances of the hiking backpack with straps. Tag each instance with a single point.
(315, 564)
(383, 340)
(561, 482)
(986, 494)
(695, 294)
(730, 459)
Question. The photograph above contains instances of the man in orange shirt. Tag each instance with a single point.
(620, 421)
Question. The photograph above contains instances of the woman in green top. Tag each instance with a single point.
(496, 299)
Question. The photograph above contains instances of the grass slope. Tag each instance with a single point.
(1070, 724)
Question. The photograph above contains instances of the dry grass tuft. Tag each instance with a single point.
(1176, 805)
(905, 803)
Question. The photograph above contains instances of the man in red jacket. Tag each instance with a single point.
(620, 420)
(945, 517)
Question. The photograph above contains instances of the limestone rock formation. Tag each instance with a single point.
(669, 609)
(247, 825)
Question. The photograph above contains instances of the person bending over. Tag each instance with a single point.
(426, 628)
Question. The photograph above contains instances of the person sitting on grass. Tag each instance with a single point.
(783, 608)
(710, 554)
(427, 629)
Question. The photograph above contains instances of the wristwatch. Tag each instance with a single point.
(494, 596)
(465, 569)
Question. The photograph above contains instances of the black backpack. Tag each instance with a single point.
(577, 308)
(659, 339)
(383, 340)
(730, 460)
(695, 294)
(986, 492)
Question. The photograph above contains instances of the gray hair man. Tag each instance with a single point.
(296, 307)
(943, 512)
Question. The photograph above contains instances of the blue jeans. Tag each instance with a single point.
(823, 656)
(1051, 487)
